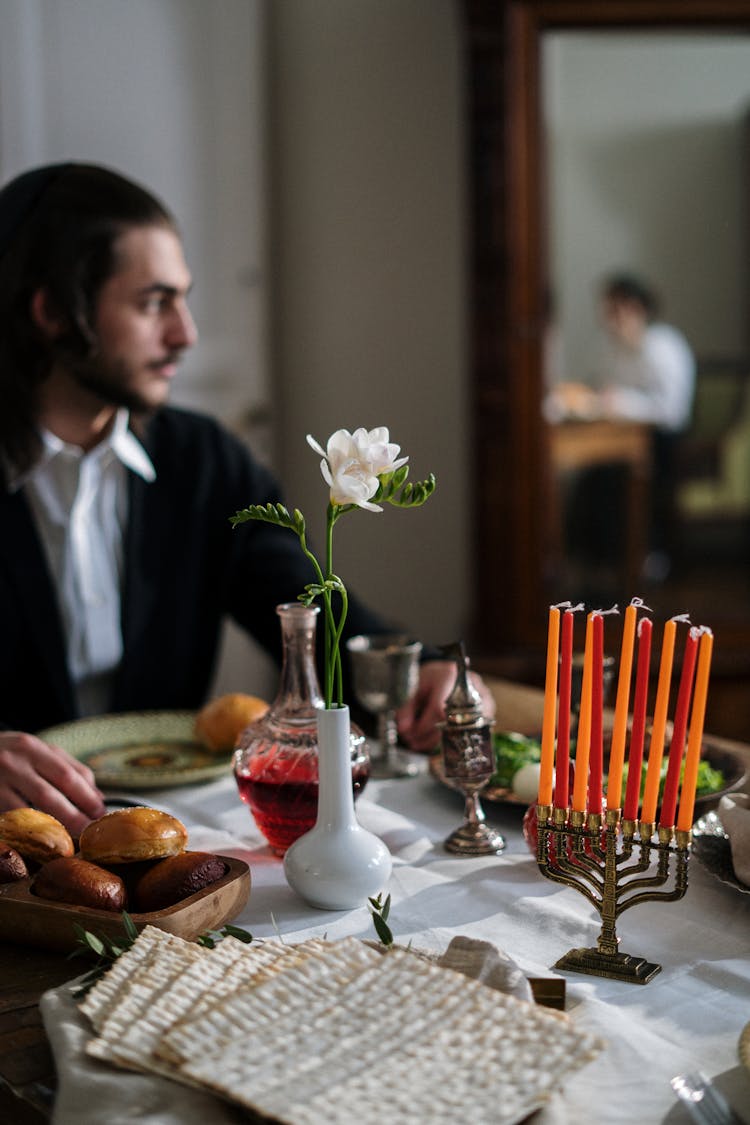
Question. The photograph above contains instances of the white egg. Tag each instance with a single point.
(526, 782)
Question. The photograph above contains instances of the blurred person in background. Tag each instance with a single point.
(644, 372)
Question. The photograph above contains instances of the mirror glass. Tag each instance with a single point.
(647, 150)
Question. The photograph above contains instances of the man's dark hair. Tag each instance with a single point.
(627, 287)
(58, 229)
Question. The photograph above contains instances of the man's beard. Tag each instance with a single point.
(110, 381)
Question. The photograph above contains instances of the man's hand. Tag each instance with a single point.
(418, 719)
(33, 774)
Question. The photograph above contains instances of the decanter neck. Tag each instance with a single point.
(299, 690)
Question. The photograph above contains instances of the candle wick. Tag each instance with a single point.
(700, 630)
(577, 608)
(561, 605)
(640, 604)
(612, 609)
(681, 617)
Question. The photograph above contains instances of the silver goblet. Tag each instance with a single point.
(385, 675)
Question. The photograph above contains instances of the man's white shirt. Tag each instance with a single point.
(80, 504)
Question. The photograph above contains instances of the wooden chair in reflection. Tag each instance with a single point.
(576, 446)
(713, 464)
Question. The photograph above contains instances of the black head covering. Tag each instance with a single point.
(20, 197)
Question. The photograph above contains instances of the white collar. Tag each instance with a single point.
(120, 440)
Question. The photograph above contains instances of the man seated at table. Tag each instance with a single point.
(644, 372)
(118, 563)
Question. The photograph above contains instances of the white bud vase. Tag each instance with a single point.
(337, 865)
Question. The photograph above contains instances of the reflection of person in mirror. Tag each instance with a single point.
(118, 563)
(645, 372)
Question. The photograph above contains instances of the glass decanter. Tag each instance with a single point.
(276, 759)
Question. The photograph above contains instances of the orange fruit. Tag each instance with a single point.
(219, 724)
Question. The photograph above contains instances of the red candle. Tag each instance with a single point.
(583, 741)
(562, 759)
(679, 730)
(596, 753)
(661, 708)
(638, 732)
(622, 704)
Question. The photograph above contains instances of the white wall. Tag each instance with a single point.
(648, 172)
(172, 93)
(370, 305)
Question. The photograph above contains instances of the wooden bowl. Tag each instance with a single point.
(29, 920)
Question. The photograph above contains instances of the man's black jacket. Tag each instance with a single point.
(186, 568)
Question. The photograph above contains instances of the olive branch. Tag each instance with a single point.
(107, 949)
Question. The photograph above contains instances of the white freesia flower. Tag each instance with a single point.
(351, 483)
(376, 449)
(352, 463)
(355, 467)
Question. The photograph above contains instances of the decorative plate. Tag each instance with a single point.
(711, 846)
(142, 750)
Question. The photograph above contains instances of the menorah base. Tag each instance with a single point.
(615, 966)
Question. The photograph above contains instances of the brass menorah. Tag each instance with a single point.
(614, 871)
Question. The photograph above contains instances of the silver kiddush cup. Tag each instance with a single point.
(468, 760)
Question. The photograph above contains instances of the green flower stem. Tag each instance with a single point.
(392, 489)
(330, 624)
(334, 673)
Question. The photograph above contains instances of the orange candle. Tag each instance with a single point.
(658, 731)
(562, 761)
(638, 733)
(550, 697)
(596, 757)
(695, 741)
(679, 730)
(583, 744)
(622, 704)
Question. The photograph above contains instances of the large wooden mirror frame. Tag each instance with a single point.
(504, 39)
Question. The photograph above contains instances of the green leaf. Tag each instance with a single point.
(129, 926)
(116, 950)
(382, 930)
(94, 943)
(271, 513)
(379, 913)
(238, 933)
(211, 938)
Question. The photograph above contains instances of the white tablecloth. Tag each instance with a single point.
(690, 1016)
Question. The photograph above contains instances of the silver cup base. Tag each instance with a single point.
(475, 839)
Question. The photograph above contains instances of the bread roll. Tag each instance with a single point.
(219, 724)
(35, 835)
(79, 883)
(12, 867)
(131, 835)
(171, 880)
